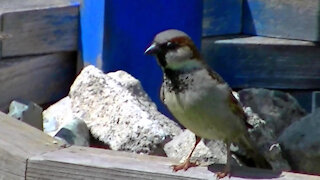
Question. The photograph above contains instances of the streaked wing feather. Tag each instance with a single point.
(236, 108)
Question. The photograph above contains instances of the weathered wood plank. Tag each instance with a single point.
(89, 163)
(18, 142)
(251, 61)
(221, 17)
(18, 5)
(40, 31)
(293, 19)
(41, 79)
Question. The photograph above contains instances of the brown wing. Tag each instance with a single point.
(234, 104)
(237, 109)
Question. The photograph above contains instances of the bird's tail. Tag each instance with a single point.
(253, 154)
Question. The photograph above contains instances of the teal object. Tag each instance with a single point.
(130, 27)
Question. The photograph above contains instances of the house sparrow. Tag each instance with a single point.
(199, 98)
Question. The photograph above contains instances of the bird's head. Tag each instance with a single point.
(174, 50)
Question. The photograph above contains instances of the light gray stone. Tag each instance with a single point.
(300, 142)
(74, 132)
(55, 116)
(60, 123)
(205, 153)
(277, 108)
(28, 112)
(119, 113)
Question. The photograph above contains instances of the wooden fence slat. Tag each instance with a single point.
(252, 61)
(40, 31)
(42, 79)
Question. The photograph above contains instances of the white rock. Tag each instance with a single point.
(118, 111)
(57, 115)
(181, 145)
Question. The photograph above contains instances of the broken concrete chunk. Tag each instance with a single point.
(205, 154)
(119, 113)
(56, 115)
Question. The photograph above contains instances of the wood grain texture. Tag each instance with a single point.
(89, 163)
(18, 142)
(18, 5)
(251, 61)
(221, 17)
(293, 19)
(41, 79)
(40, 31)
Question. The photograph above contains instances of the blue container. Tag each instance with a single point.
(130, 26)
(92, 31)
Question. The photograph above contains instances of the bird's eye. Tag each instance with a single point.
(171, 45)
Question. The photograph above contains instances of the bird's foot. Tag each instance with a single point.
(184, 166)
(221, 175)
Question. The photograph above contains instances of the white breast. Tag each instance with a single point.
(203, 107)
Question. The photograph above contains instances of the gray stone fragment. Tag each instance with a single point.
(211, 152)
(56, 115)
(300, 142)
(74, 132)
(119, 113)
(277, 108)
(60, 123)
(28, 112)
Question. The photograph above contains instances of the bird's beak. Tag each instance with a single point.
(152, 49)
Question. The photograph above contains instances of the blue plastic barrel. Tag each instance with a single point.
(130, 26)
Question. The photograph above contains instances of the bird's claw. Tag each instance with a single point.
(184, 166)
(221, 175)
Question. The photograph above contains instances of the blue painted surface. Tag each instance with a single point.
(130, 27)
(92, 29)
(294, 19)
(221, 17)
(245, 62)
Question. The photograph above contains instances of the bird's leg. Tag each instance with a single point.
(187, 164)
(227, 168)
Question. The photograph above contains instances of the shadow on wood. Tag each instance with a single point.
(246, 172)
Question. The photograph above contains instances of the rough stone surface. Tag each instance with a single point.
(211, 152)
(28, 112)
(119, 113)
(300, 142)
(60, 123)
(56, 115)
(74, 132)
(277, 108)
